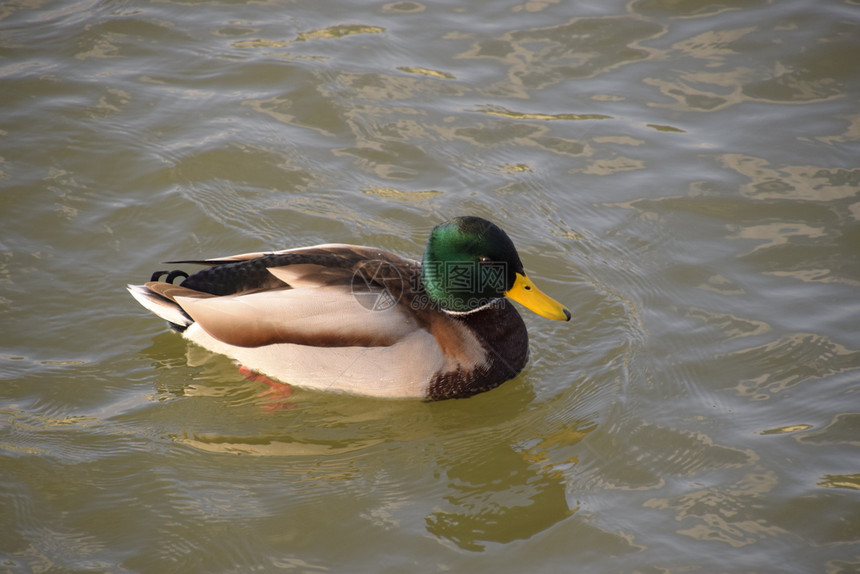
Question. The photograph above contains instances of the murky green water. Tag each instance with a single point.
(684, 175)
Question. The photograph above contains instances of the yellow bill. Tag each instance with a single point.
(527, 294)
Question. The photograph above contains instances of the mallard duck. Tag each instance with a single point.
(361, 320)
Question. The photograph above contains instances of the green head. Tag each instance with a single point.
(469, 262)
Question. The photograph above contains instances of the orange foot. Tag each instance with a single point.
(276, 390)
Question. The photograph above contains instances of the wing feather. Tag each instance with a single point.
(322, 317)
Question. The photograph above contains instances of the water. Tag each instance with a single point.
(683, 175)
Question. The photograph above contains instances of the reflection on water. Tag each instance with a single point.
(724, 514)
(683, 175)
(815, 358)
(480, 506)
(539, 58)
(793, 182)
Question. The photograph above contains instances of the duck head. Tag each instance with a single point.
(470, 262)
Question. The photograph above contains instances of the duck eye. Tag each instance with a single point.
(484, 259)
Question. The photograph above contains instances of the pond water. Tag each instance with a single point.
(685, 176)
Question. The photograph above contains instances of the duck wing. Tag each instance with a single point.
(327, 295)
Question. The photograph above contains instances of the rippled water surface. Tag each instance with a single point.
(684, 175)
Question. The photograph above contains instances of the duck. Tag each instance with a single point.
(361, 320)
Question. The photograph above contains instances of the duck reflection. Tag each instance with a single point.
(490, 469)
(508, 492)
